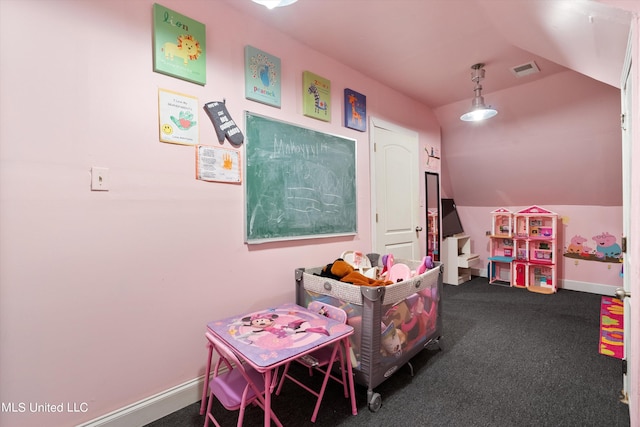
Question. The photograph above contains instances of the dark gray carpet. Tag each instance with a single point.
(509, 357)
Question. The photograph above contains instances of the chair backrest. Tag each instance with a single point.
(332, 312)
(225, 354)
(226, 386)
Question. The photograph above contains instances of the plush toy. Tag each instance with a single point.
(344, 272)
(326, 271)
(426, 264)
(387, 262)
(408, 317)
(392, 342)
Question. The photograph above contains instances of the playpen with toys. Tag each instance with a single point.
(392, 323)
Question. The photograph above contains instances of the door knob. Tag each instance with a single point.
(621, 294)
(418, 229)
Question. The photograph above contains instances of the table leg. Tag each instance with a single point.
(267, 398)
(352, 390)
(325, 381)
(207, 373)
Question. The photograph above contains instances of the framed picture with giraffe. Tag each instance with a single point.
(316, 96)
(355, 110)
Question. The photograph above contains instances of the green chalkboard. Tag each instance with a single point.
(299, 183)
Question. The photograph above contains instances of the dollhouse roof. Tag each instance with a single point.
(536, 210)
(502, 210)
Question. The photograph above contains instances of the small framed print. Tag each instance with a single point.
(316, 96)
(218, 164)
(178, 117)
(262, 77)
(355, 110)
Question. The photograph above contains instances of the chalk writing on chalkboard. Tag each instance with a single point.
(299, 183)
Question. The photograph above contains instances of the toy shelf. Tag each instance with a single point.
(524, 243)
(535, 245)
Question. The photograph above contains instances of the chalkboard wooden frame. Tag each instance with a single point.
(299, 183)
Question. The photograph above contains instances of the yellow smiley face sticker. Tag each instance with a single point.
(167, 129)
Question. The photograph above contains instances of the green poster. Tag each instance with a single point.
(316, 96)
(179, 46)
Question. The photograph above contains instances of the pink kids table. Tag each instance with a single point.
(267, 339)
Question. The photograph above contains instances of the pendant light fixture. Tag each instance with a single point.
(479, 111)
(270, 4)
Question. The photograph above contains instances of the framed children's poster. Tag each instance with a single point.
(178, 117)
(316, 96)
(261, 76)
(355, 110)
(178, 46)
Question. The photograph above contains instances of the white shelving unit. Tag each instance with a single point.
(457, 259)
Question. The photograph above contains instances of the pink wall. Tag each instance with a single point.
(104, 295)
(552, 139)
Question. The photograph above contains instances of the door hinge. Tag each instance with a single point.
(623, 244)
(624, 366)
(622, 124)
(376, 217)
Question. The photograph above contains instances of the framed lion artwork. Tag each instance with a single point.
(179, 46)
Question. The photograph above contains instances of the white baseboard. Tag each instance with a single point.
(594, 288)
(152, 408)
(571, 285)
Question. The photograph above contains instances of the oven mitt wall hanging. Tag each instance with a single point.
(223, 123)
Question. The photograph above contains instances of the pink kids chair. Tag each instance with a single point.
(321, 360)
(235, 388)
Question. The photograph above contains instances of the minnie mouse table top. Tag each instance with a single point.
(273, 336)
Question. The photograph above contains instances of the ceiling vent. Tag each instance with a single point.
(525, 69)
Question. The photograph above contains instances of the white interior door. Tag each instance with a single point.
(395, 190)
(626, 214)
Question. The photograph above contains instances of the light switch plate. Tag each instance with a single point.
(99, 179)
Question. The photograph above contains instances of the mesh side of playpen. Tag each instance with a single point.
(396, 292)
(346, 292)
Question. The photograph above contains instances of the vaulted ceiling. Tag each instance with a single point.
(425, 48)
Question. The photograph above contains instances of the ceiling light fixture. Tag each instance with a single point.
(270, 4)
(479, 111)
